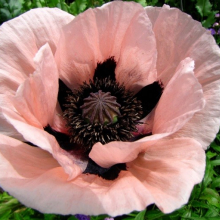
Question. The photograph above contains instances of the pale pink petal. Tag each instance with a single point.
(19, 160)
(180, 39)
(182, 97)
(58, 122)
(169, 170)
(87, 194)
(205, 124)
(146, 124)
(33, 172)
(70, 163)
(6, 128)
(118, 29)
(118, 152)
(187, 38)
(122, 152)
(36, 97)
(160, 176)
(21, 38)
(153, 13)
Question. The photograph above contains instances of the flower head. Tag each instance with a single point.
(215, 27)
(82, 217)
(107, 112)
(212, 31)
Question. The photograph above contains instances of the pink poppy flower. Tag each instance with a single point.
(106, 112)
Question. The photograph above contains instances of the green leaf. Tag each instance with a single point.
(17, 216)
(72, 218)
(198, 204)
(77, 6)
(208, 174)
(9, 9)
(212, 212)
(142, 2)
(5, 215)
(5, 15)
(211, 192)
(10, 207)
(218, 136)
(99, 217)
(187, 214)
(154, 214)
(215, 162)
(215, 146)
(62, 5)
(211, 196)
(211, 154)
(204, 7)
(203, 218)
(152, 2)
(210, 20)
(140, 215)
(216, 183)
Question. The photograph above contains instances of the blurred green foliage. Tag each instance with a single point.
(10, 9)
(204, 203)
(201, 10)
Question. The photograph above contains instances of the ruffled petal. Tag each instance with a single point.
(36, 98)
(32, 171)
(120, 30)
(160, 176)
(181, 99)
(146, 124)
(70, 163)
(204, 125)
(169, 170)
(21, 38)
(19, 160)
(187, 38)
(51, 192)
(58, 123)
(183, 38)
(119, 152)
(6, 128)
(153, 13)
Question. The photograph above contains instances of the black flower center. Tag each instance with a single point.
(102, 111)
